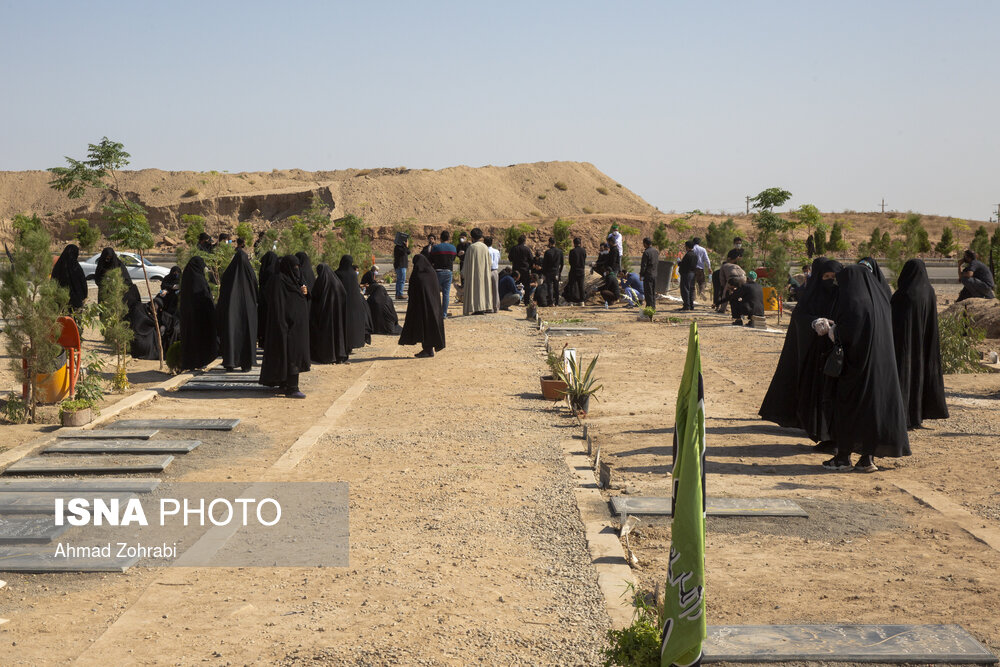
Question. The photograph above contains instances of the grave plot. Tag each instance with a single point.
(122, 447)
(42, 502)
(178, 424)
(41, 559)
(652, 506)
(73, 465)
(102, 434)
(29, 529)
(78, 485)
(197, 385)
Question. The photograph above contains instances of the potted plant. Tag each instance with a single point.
(76, 412)
(580, 385)
(80, 410)
(647, 313)
(553, 385)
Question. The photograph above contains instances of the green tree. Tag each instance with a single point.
(115, 328)
(808, 216)
(129, 226)
(512, 233)
(946, 245)
(85, 235)
(766, 200)
(31, 302)
(660, 238)
(917, 240)
(819, 241)
(194, 226)
(297, 238)
(720, 237)
(981, 243)
(317, 216)
(560, 232)
(245, 231)
(836, 241)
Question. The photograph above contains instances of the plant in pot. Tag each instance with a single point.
(553, 384)
(75, 412)
(580, 385)
(81, 409)
(648, 312)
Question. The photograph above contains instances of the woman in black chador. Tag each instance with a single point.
(327, 319)
(383, 312)
(199, 342)
(236, 314)
(423, 324)
(268, 267)
(795, 396)
(867, 414)
(108, 261)
(918, 352)
(306, 271)
(358, 321)
(170, 288)
(286, 341)
(68, 273)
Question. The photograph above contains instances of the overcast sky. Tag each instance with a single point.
(691, 105)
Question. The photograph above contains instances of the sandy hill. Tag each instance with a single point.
(428, 200)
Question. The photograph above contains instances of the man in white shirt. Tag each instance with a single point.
(617, 237)
(703, 267)
(494, 271)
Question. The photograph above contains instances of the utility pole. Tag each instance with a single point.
(748, 204)
(883, 205)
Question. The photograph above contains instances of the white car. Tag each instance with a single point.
(132, 263)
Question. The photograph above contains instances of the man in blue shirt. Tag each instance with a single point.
(702, 268)
(442, 258)
(632, 287)
(507, 288)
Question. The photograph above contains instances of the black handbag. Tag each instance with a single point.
(834, 364)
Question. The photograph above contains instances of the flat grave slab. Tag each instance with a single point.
(227, 377)
(182, 424)
(574, 331)
(224, 386)
(122, 447)
(103, 434)
(82, 486)
(52, 465)
(41, 559)
(652, 505)
(938, 644)
(29, 529)
(12, 502)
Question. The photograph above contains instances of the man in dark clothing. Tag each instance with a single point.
(647, 271)
(975, 277)
(205, 243)
(575, 289)
(600, 266)
(400, 259)
(810, 246)
(431, 242)
(746, 299)
(460, 248)
(520, 257)
(507, 288)
(552, 267)
(442, 258)
(685, 270)
(614, 256)
(737, 250)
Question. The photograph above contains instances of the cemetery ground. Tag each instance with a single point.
(466, 542)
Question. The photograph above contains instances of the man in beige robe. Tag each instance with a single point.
(478, 295)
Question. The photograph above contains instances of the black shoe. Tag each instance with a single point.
(825, 447)
(424, 354)
(838, 465)
(737, 323)
(866, 464)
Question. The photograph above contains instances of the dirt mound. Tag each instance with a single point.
(985, 313)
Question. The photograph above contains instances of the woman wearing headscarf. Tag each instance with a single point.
(423, 324)
(268, 267)
(384, 318)
(286, 346)
(328, 319)
(170, 287)
(306, 270)
(236, 314)
(868, 416)
(68, 273)
(108, 261)
(872, 264)
(917, 346)
(199, 342)
(794, 398)
(358, 318)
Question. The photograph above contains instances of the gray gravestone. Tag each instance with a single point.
(51, 465)
(182, 424)
(226, 377)
(42, 559)
(103, 434)
(604, 475)
(29, 529)
(225, 386)
(122, 447)
(81, 486)
(649, 505)
(937, 644)
(45, 502)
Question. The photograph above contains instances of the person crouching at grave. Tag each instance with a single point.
(611, 290)
(286, 343)
(632, 288)
(746, 300)
(508, 290)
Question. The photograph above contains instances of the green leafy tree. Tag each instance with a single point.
(819, 241)
(946, 245)
(115, 328)
(661, 240)
(194, 226)
(808, 216)
(297, 238)
(85, 235)
(917, 240)
(836, 241)
(128, 224)
(981, 243)
(317, 216)
(31, 302)
(245, 231)
(959, 337)
(720, 237)
(766, 200)
(561, 233)
(512, 233)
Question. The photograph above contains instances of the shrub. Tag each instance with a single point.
(587, 210)
(959, 335)
(512, 233)
(245, 231)
(720, 237)
(981, 243)
(297, 238)
(836, 241)
(819, 241)
(947, 244)
(85, 235)
(660, 239)
(638, 645)
(542, 196)
(115, 328)
(190, 192)
(363, 172)
(560, 232)
(917, 241)
(536, 214)
(649, 312)
(194, 226)
(14, 411)
(173, 357)
(602, 190)
(559, 185)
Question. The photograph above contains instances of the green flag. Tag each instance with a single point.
(684, 626)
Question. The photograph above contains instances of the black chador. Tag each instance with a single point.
(423, 325)
(868, 415)
(918, 352)
(327, 319)
(68, 273)
(236, 314)
(794, 397)
(286, 342)
(199, 342)
(358, 320)
(306, 271)
(268, 267)
(170, 287)
(383, 312)
(575, 290)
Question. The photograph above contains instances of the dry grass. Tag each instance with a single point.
(190, 192)
(559, 185)
(603, 190)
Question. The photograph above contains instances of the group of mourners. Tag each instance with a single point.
(860, 365)
(295, 315)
